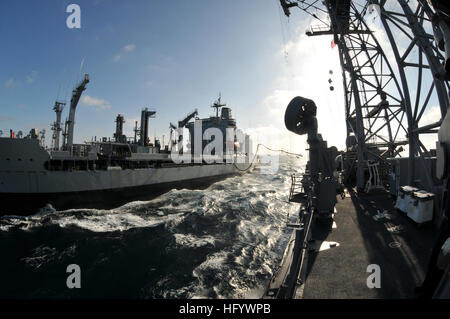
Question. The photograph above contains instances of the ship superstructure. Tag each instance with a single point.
(222, 122)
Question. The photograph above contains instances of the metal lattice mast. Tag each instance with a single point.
(410, 21)
(373, 98)
(380, 112)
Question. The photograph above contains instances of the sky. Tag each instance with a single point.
(171, 56)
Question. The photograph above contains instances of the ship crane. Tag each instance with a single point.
(190, 116)
(181, 124)
(381, 109)
(70, 123)
(286, 5)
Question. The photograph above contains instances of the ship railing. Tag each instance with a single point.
(297, 193)
(374, 180)
(295, 260)
(316, 28)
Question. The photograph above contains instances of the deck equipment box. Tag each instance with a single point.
(420, 207)
(403, 197)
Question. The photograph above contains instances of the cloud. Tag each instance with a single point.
(11, 83)
(124, 51)
(31, 77)
(305, 74)
(430, 116)
(5, 118)
(95, 103)
(164, 64)
(129, 48)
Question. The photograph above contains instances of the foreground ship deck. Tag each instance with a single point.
(338, 255)
(397, 245)
(374, 158)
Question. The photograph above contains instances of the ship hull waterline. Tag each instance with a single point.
(28, 203)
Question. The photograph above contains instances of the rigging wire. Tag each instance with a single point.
(270, 149)
(281, 151)
(66, 91)
(59, 89)
(81, 69)
(283, 35)
(284, 44)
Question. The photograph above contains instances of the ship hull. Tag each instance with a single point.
(100, 189)
(29, 203)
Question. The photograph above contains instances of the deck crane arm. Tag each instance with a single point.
(183, 122)
(76, 94)
(286, 5)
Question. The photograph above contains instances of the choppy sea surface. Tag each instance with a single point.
(224, 241)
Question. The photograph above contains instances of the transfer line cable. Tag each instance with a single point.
(281, 151)
(256, 154)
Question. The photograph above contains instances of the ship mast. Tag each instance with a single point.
(119, 137)
(56, 127)
(145, 115)
(218, 104)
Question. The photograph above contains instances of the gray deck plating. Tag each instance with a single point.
(340, 271)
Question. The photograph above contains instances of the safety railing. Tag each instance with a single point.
(297, 193)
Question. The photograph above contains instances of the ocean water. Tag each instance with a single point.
(221, 242)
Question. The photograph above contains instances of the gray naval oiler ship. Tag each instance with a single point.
(105, 173)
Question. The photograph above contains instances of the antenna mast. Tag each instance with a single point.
(218, 104)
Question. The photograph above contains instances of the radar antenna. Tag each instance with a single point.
(218, 104)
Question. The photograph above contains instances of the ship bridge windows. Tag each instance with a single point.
(115, 150)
